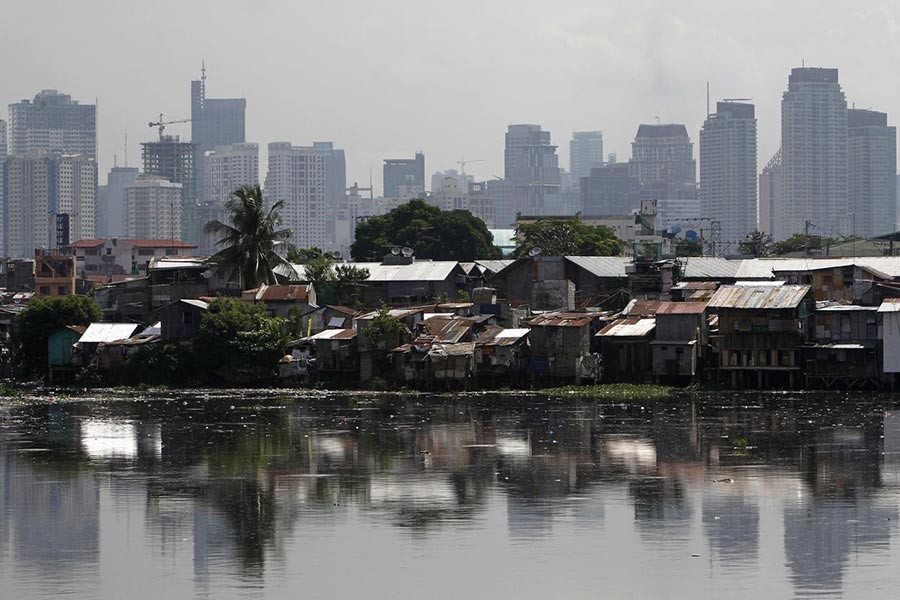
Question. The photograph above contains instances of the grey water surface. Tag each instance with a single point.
(250, 495)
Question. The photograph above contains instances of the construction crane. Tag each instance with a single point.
(161, 124)
(463, 162)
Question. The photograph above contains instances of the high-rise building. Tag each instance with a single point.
(610, 190)
(770, 190)
(309, 179)
(49, 201)
(532, 171)
(111, 201)
(498, 190)
(229, 167)
(481, 202)
(814, 153)
(2, 168)
(462, 179)
(871, 173)
(585, 153)
(172, 159)
(53, 122)
(450, 195)
(663, 153)
(214, 122)
(404, 172)
(153, 208)
(728, 173)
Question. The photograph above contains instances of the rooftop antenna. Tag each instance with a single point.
(115, 160)
(657, 119)
(707, 99)
(126, 148)
(371, 189)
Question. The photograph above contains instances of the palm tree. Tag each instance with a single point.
(249, 243)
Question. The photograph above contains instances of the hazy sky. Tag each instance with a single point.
(384, 79)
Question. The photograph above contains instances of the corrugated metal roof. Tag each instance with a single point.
(766, 268)
(845, 308)
(602, 266)
(638, 308)
(630, 327)
(98, 333)
(511, 333)
(493, 266)
(282, 293)
(564, 319)
(681, 308)
(696, 285)
(709, 267)
(423, 270)
(447, 329)
(333, 334)
(400, 313)
(196, 303)
(890, 305)
(759, 297)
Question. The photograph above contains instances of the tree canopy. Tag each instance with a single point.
(432, 233)
(45, 316)
(757, 244)
(250, 241)
(335, 283)
(567, 237)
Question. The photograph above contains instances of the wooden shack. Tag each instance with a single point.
(682, 333)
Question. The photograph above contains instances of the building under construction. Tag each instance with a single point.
(173, 159)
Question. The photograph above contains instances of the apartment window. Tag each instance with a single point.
(45, 290)
(171, 252)
(62, 290)
(146, 252)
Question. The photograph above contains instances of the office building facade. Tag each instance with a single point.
(296, 176)
(728, 176)
(814, 154)
(111, 201)
(770, 190)
(663, 153)
(532, 171)
(871, 173)
(610, 190)
(585, 153)
(404, 176)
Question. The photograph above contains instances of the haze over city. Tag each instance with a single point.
(384, 80)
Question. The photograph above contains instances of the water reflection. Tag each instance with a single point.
(222, 497)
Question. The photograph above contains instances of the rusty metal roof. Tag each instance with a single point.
(498, 336)
(681, 308)
(333, 334)
(630, 327)
(637, 308)
(564, 319)
(759, 297)
(446, 329)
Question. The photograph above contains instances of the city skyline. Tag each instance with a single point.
(631, 54)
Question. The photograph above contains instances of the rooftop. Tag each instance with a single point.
(630, 327)
(759, 297)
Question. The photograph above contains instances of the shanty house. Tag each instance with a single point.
(59, 349)
(282, 299)
(682, 333)
(625, 349)
(180, 319)
(501, 355)
(889, 311)
(560, 341)
(844, 352)
(98, 334)
(762, 330)
(336, 355)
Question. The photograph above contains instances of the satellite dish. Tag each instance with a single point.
(534, 251)
(207, 274)
(408, 252)
(395, 251)
(336, 255)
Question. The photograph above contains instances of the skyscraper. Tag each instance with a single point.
(49, 202)
(2, 169)
(53, 122)
(214, 122)
(532, 171)
(228, 167)
(585, 153)
(770, 190)
(663, 153)
(871, 173)
(111, 201)
(153, 209)
(308, 179)
(403, 172)
(610, 190)
(728, 173)
(814, 153)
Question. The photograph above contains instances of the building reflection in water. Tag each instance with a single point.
(240, 485)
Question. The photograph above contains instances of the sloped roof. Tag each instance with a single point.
(98, 333)
(759, 297)
(709, 267)
(766, 268)
(447, 329)
(630, 327)
(333, 334)
(498, 336)
(681, 308)
(423, 270)
(638, 308)
(493, 266)
(602, 266)
(564, 319)
(891, 305)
